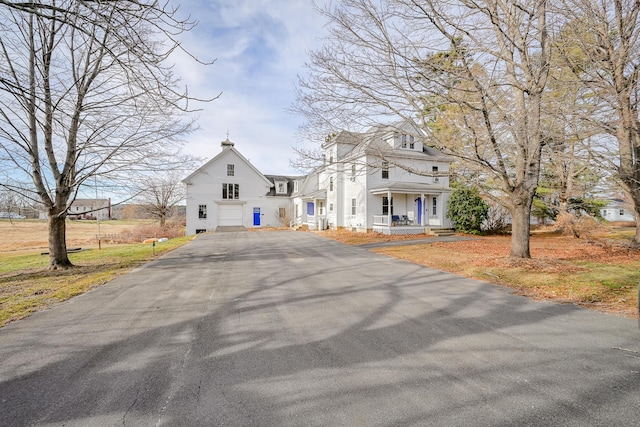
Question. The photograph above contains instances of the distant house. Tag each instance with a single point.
(618, 210)
(90, 209)
(387, 179)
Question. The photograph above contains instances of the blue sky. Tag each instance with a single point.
(260, 46)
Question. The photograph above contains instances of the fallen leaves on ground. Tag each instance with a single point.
(599, 273)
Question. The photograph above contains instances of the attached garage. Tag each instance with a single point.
(229, 215)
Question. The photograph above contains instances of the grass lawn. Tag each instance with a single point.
(26, 285)
(601, 273)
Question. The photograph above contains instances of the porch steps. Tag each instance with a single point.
(440, 232)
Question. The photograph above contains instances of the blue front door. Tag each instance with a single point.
(420, 210)
(256, 217)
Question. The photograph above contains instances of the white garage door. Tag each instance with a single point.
(229, 215)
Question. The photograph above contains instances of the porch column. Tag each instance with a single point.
(315, 213)
(389, 208)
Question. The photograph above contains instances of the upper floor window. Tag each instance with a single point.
(295, 186)
(353, 170)
(230, 170)
(282, 188)
(331, 159)
(407, 140)
(385, 170)
(621, 211)
(353, 206)
(331, 183)
(434, 170)
(230, 191)
(202, 211)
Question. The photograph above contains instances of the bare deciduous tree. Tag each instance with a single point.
(160, 195)
(86, 92)
(607, 35)
(473, 73)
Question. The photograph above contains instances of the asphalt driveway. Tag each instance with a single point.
(292, 329)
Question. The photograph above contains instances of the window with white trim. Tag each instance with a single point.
(434, 211)
(386, 205)
(230, 170)
(385, 170)
(331, 183)
(202, 211)
(353, 206)
(230, 191)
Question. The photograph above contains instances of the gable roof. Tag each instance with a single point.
(226, 148)
(374, 141)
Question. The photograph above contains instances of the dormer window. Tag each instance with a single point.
(407, 141)
(281, 188)
(295, 186)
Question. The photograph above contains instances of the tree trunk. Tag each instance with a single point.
(636, 209)
(58, 258)
(521, 228)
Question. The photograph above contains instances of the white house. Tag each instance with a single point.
(229, 191)
(386, 180)
(618, 210)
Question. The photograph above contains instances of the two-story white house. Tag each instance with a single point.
(385, 180)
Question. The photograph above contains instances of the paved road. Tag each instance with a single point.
(291, 329)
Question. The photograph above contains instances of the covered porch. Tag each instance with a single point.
(312, 211)
(409, 208)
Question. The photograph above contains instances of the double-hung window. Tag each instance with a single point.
(385, 170)
(202, 211)
(230, 170)
(353, 206)
(386, 205)
(230, 191)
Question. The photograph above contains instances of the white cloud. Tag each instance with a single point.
(260, 47)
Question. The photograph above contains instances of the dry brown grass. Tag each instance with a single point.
(24, 235)
(601, 273)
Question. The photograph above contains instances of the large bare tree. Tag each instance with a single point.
(87, 94)
(472, 72)
(606, 36)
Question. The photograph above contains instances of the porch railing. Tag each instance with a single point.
(381, 220)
